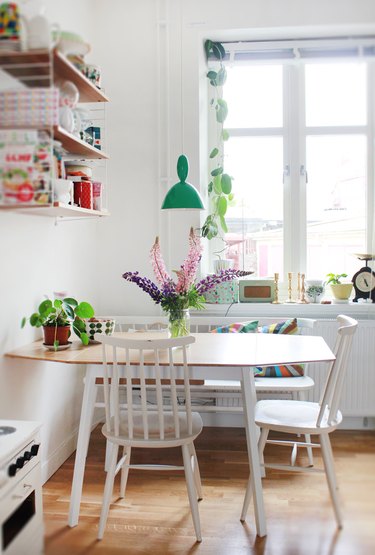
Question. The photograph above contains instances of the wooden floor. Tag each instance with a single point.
(154, 518)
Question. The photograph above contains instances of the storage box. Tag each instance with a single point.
(223, 293)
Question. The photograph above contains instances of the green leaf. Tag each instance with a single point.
(70, 301)
(34, 319)
(212, 75)
(218, 50)
(56, 344)
(223, 224)
(217, 184)
(226, 183)
(84, 310)
(79, 324)
(69, 310)
(231, 196)
(210, 187)
(222, 206)
(222, 112)
(23, 322)
(208, 47)
(225, 135)
(217, 171)
(221, 76)
(85, 338)
(45, 307)
(57, 303)
(214, 152)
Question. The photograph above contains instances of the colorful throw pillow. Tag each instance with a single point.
(287, 327)
(238, 327)
(286, 370)
(282, 371)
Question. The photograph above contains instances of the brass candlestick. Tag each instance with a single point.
(303, 298)
(276, 301)
(290, 300)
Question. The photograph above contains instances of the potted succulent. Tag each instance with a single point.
(57, 317)
(341, 291)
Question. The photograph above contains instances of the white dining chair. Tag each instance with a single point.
(137, 423)
(301, 417)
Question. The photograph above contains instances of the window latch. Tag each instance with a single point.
(286, 172)
(303, 172)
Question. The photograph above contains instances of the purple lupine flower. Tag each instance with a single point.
(224, 275)
(146, 284)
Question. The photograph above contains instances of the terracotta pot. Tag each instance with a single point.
(61, 334)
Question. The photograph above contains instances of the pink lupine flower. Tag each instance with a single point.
(187, 274)
(158, 264)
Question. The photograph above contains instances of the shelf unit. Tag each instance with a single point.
(52, 66)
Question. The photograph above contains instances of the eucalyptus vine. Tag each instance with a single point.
(220, 187)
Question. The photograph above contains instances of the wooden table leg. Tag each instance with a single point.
(87, 412)
(249, 400)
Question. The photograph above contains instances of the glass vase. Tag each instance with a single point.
(179, 322)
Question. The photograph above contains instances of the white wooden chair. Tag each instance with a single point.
(301, 417)
(140, 424)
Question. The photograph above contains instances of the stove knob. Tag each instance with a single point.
(12, 469)
(27, 455)
(34, 449)
(20, 462)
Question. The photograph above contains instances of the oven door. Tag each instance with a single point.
(21, 516)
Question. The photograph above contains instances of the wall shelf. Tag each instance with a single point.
(33, 67)
(56, 210)
(76, 146)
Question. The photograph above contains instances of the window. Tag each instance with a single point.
(301, 155)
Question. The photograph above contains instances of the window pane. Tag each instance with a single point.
(255, 224)
(335, 94)
(336, 203)
(254, 96)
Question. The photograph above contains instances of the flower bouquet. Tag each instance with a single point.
(177, 297)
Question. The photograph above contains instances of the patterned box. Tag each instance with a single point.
(223, 293)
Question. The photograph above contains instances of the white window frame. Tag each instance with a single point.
(294, 133)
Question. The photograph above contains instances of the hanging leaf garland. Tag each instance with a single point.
(220, 187)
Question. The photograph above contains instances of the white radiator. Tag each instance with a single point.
(358, 397)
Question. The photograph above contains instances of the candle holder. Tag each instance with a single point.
(290, 300)
(276, 301)
(303, 299)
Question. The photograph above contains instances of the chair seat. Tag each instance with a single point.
(287, 384)
(292, 416)
(153, 430)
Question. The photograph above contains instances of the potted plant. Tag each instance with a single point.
(57, 317)
(341, 291)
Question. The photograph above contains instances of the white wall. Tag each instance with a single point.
(38, 257)
(129, 40)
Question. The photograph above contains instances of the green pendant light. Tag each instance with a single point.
(182, 196)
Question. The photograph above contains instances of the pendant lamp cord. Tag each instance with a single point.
(181, 74)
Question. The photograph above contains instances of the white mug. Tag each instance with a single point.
(63, 190)
(39, 33)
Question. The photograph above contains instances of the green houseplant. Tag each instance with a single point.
(58, 317)
(341, 291)
(220, 186)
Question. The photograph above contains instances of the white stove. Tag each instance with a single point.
(21, 513)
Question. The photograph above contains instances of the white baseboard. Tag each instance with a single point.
(62, 453)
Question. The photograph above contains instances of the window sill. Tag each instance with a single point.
(319, 311)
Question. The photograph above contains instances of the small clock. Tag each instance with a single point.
(364, 281)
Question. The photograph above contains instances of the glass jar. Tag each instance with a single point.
(179, 322)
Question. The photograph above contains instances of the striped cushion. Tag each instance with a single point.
(238, 327)
(285, 370)
(282, 371)
(287, 327)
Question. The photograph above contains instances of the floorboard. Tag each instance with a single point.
(155, 517)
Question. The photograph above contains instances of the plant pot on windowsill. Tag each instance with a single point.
(341, 291)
